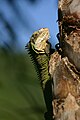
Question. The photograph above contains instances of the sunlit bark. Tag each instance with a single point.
(65, 68)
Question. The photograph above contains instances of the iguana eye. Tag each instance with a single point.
(36, 34)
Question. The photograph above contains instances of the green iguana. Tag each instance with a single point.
(39, 49)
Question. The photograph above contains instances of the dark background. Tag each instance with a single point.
(21, 96)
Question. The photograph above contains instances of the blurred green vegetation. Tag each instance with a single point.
(21, 96)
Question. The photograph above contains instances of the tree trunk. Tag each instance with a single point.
(64, 68)
(66, 88)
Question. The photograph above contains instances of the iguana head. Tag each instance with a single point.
(39, 41)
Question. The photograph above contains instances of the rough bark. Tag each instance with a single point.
(66, 88)
(69, 26)
(65, 68)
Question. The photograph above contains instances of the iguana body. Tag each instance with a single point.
(39, 50)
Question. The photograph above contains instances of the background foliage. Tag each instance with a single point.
(20, 92)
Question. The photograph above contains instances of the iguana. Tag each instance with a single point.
(39, 49)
